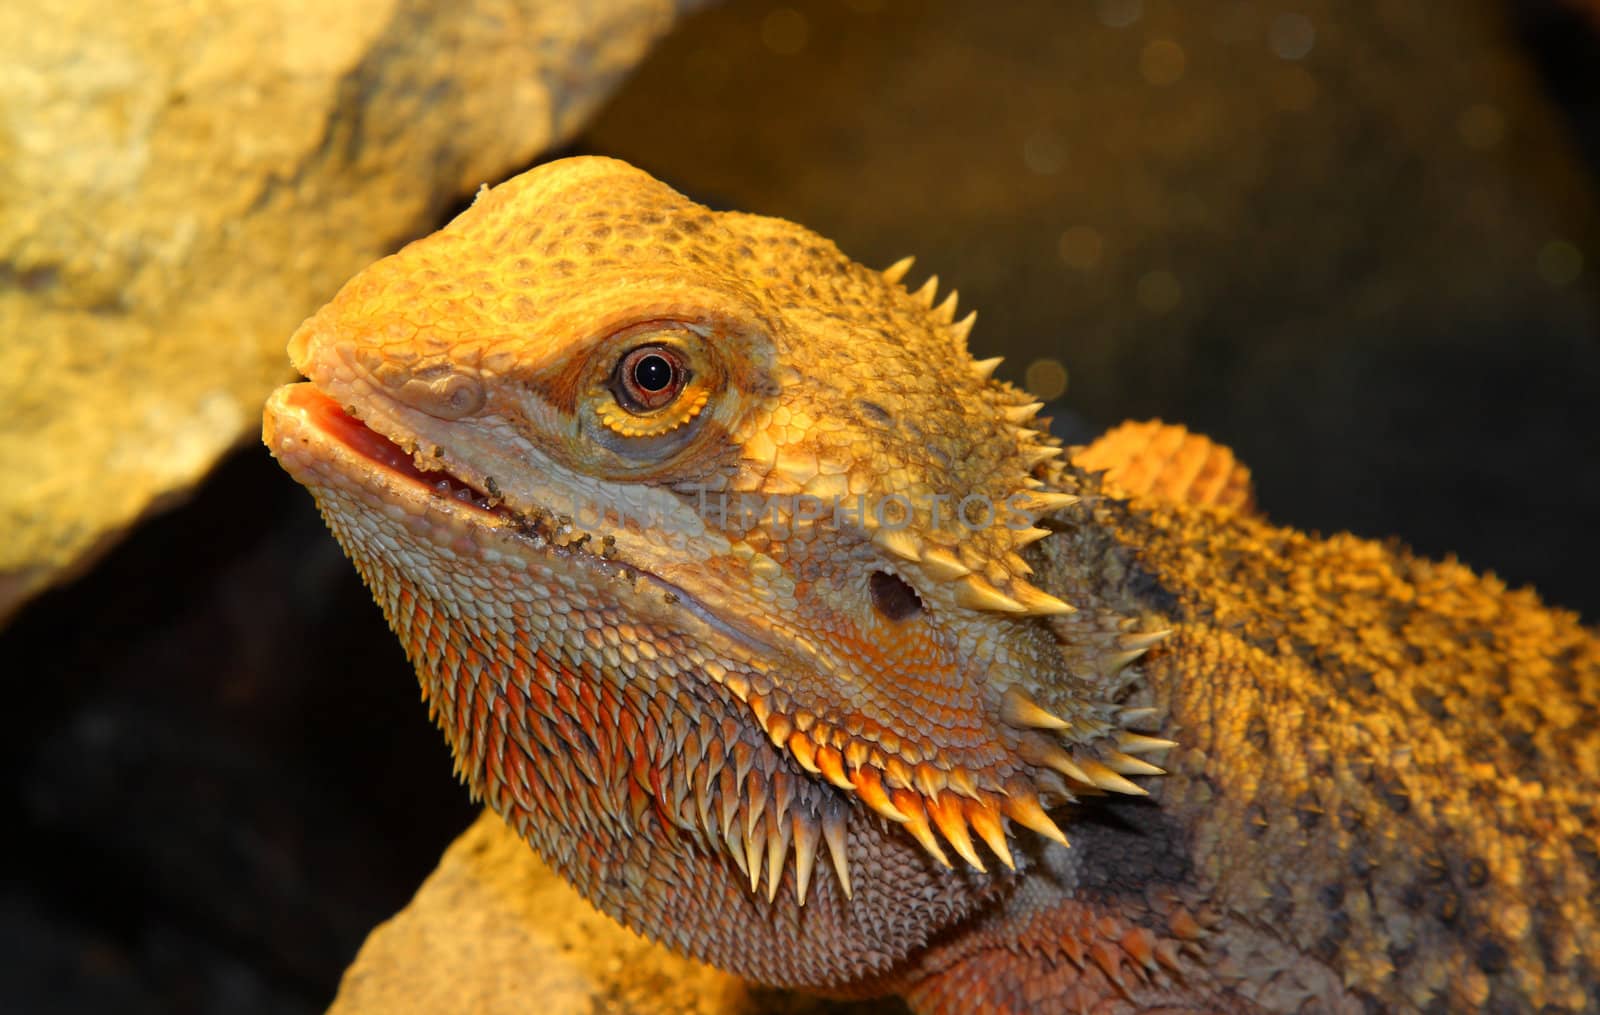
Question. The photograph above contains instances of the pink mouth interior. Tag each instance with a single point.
(331, 419)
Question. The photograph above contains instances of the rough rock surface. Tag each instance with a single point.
(502, 933)
(181, 183)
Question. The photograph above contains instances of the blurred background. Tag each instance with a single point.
(1357, 241)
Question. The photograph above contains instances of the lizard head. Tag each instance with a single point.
(685, 514)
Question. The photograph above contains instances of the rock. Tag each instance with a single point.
(494, 931)
(180, 184)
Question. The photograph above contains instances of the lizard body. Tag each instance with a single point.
(838, 742)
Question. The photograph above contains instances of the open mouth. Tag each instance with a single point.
(330, 419)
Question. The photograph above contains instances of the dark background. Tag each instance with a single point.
(1356, 241)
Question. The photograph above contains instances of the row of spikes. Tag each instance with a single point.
(1019, 410)
(925, 797)
(759, 816)
(920, 795)
(1115, 948)
(1092, 755)
(1102, 644)
(944, 314)
(996, 585)
(759, 820)
(716, 787)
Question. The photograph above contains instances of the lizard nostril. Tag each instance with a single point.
(450, 397)
(892, 597)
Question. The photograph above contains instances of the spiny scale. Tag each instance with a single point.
(777, 854)
(943, 564)
(869, 787)
(982, 369)
(833, 830)
(1018, 709)
(832, 764)
(1126, 764)
(1038, 602)
(947, 815)
(1047, 502)
(1103, 777)
(1019, 414)
(1034, 455)
(900, 542)
(961, 330)
(978, 594)
(1025, 810)
(1053, 756)
(909, 803)
(1138, 743)
(897, 271)
(985, 820)
(1030, 535)
(805, 856)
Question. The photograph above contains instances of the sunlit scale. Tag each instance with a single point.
(660, 690)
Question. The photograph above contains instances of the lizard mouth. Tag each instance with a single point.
(312, 409)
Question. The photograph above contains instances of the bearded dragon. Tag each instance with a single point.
(793, 639)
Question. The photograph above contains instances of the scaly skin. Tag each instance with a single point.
(837, 751)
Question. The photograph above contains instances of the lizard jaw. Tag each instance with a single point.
(316, 412)
(322, 444)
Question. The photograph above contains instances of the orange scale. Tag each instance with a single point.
(538, 699)
(511, 700)
(565, 701)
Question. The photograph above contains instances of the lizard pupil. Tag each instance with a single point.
(652, 373)
(649, 377)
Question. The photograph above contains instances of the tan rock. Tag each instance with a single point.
(181, 183)
(493, 931)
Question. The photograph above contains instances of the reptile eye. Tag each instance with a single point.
(648, 378)
(660, 385)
